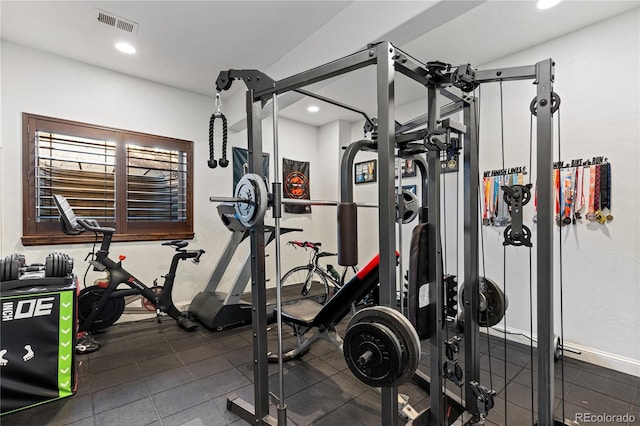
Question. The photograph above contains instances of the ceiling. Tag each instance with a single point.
(185, 44)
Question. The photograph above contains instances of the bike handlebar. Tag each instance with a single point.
(305, 244)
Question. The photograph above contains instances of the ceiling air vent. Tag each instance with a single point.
(116, 21)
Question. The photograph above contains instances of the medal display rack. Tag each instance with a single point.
(578, 184)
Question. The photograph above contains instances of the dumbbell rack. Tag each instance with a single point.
(38, 331)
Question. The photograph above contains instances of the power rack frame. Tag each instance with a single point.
(388, 61)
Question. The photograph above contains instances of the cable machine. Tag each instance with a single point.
(441, 80)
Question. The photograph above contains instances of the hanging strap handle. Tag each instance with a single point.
(223, 160)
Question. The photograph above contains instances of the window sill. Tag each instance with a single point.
(42, 240)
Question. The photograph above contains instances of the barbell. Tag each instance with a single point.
(251, 200)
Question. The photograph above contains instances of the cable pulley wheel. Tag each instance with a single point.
(381, 347)
(252, 188)
(555, 104)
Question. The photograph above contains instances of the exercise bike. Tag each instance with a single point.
(100, 306)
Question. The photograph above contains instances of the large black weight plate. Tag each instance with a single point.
(373, 353)
(496, 304)
(405, 334)
(493, 303)
(88, 300)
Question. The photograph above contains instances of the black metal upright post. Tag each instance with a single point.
(471, 267)
(259, 412)
(386, 201)
(544, 76)
(435, 267)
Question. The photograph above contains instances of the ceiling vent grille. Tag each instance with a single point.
(116, 21)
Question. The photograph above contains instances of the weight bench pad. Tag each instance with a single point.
(301, 312)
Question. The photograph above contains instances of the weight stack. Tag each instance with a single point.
(37, 350)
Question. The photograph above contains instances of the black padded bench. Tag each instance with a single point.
(306, 314)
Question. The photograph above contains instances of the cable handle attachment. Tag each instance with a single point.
(223, 161)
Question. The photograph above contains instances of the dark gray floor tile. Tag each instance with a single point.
(197, 353)
(618, 376)
(595, 402)
(239, 356)
(140, 412)
(209, 366)
(222, 383)
(335, 359)
(56, 413)
(365, 408)
(177, 399)
(145, 353)
(105, 363)
(161, 363)
(311, 404)
(187, 342)
(515, 415)
(208, 413)
(109, 349)
(169, 379)
(114, 377)
(230, 343)
(497, 367)
(604, 385)
(338, 416)
(84, 422)
(82, 365)
(293, 383)
(116, 396)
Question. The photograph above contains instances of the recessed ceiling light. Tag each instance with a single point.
(546, 4)
(313, 108)
(126, 48)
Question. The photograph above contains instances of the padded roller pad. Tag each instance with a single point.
(347, 234)
(418, 280)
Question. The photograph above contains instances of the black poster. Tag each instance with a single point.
(241, 165)
(295, 175)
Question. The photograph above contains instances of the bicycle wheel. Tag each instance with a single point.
(293, 285)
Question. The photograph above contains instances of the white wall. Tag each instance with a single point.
(600, 116)
(40, 83)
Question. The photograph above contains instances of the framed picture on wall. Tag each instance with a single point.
(410, 188)
(366, 171)
(408, 168)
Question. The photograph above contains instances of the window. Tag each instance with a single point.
(137, 183)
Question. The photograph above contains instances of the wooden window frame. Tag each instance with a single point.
(46, 233)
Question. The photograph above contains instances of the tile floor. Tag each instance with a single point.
(150, 374)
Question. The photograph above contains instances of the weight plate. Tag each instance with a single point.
(252, 188)
(492, 303)
(48, 266)
(20, 258)
(88, 301)
(3, 263)
(496, 304)
(404, 332)
(13, 269)
(373, 353)
(410, 206)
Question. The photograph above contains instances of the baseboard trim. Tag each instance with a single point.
(593, 356)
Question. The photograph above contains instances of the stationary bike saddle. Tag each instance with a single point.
(178, 244)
